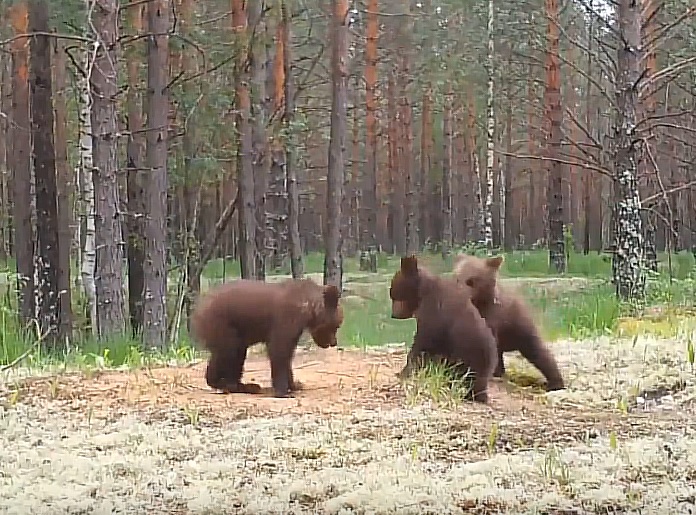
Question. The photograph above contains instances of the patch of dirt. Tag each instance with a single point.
(334, 381)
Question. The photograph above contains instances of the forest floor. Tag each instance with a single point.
(619, 438)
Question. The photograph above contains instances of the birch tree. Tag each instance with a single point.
(487, 226)
(87, 238)
(628, 268)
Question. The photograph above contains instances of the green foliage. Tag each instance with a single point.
(579, 305)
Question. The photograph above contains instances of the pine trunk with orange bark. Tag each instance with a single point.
(20, 156)
(553, 115)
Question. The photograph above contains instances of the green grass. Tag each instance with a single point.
(583, 308)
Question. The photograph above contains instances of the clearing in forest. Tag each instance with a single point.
(620, 438)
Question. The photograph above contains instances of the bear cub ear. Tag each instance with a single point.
(409, 265)
(495, 262)
(331, 296)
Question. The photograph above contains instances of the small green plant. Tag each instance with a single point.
(613, 444)
(554, 468)
(493, 438)
(192, 415)
(54, 387)
(439, 383)
(690, 351)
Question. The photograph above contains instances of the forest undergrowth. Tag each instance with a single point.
(118, 433)
(577, 305)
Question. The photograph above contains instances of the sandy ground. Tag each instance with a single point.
(619, 439)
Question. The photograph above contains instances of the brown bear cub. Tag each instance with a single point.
(448, 325)
(507, 315)
(232, 317)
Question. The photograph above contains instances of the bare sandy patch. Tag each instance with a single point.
(159, 441)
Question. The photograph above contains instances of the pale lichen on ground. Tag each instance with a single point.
(80, 445)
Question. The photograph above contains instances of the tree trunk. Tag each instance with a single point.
(260, 155)
(21, 166)
(136, 177)
(104, 93)
(65, 188)
(5, 182)
(487, 234)
(368, 201)
(425, 165)
(554, 119)
(333, 260)
(41, 102)
(296, 262)
(447, 154)
(628, 255)
(87, 238)
(155, 265)
(480, 209)
(245, 150)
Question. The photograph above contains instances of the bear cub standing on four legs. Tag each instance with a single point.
(507, 316)
(234, 316)
(448, 326)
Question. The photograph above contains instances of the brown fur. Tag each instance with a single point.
(448, 325)
(234, 316)
(507, 315)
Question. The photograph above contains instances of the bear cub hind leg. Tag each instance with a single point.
(225, 369)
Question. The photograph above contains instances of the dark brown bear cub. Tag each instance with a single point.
(234, 316)
(448, 325)
(507, 315)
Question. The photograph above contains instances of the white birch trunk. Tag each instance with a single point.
(86, 181)
(487, 235)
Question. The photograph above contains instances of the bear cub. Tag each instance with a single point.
(448, 326)
(232, 317)
(507, 315)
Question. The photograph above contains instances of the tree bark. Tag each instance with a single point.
(21, 165)
(41, 102)
(155, 265)
(104, 93)
(553, 123)
(628, 255)
(333, 238)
